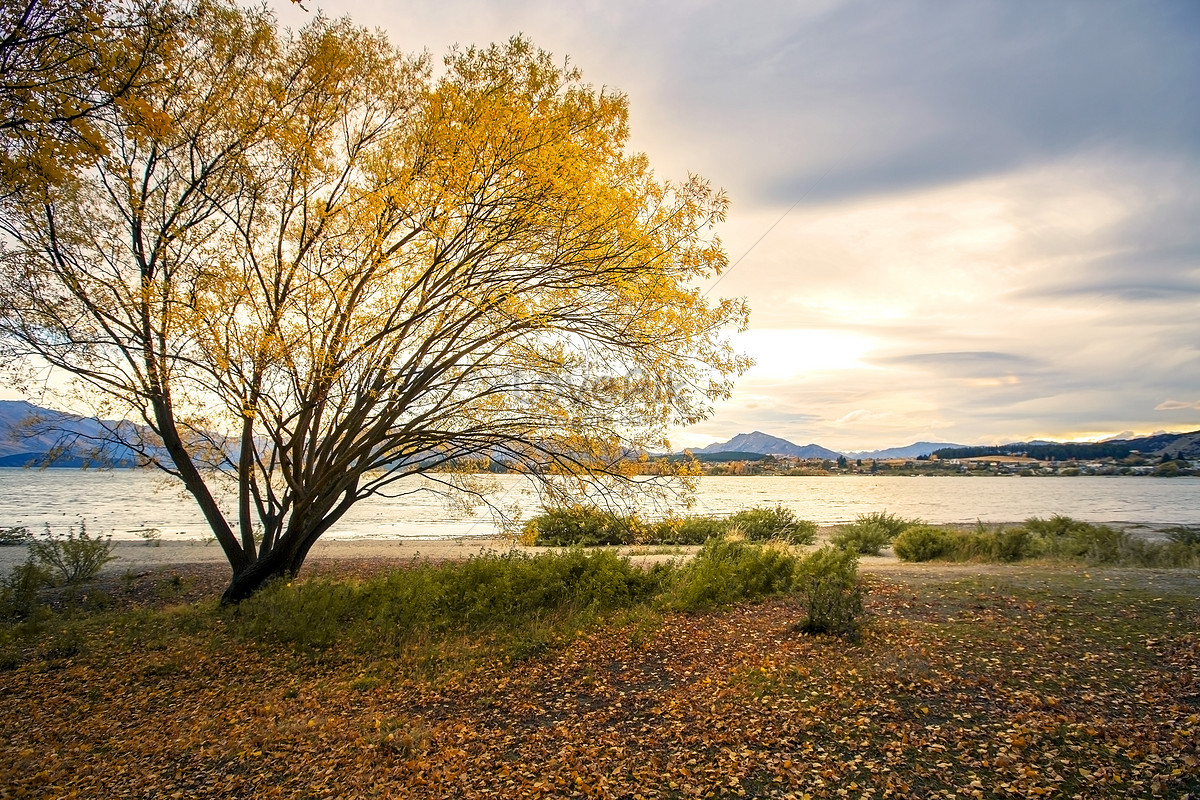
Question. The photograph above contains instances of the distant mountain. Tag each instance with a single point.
(765, 444)
(34, 436)
(914, 450)
(1176, 445)
(1173, 445)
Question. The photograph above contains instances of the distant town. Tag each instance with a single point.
(756, 453)
(1161, 455)
(1134, 464)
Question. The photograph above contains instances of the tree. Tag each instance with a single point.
(318, 269)
(63, 63)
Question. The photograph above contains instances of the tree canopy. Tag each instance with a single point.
(314, 265)
(62, 64)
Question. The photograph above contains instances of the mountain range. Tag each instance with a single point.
(23, 445)
(33, 436)
(1174, 445)
(764, 444)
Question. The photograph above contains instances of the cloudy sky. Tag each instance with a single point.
(970, 222)
(994, 224)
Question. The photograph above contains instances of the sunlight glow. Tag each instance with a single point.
(782, 354)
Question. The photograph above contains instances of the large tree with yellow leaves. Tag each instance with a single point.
(313, 266)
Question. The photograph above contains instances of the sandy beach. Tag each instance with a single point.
(137, 556)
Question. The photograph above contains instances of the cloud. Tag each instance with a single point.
(973, 364)
(995, 234)
(1176, 405)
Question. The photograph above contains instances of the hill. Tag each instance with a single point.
(34, 436)
(915, 450)
(767, 445)
(1173, 445)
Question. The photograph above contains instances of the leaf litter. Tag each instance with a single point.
(1006, 684)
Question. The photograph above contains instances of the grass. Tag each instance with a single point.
(1026, 680)
(590, 526)
(1059, 539)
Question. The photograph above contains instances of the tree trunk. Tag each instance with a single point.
(279, 563)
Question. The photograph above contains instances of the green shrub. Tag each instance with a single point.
(486, 592)
(1056, 528)
(870, 533)
(1184, 535)
(866, 539)
(580, 525)
(686, 530)
(1179, 555)
(730, 570)
(19, 592)
(75, 557)
(14, 536)
(1013, 544)
(1071, 539)
(999, 545)
(762, 523)
(833, 597)
(889, 522)
(310, 614)
(923, 543)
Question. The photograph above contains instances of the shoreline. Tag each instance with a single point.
(135, 556)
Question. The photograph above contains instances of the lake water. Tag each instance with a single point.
(122, 501)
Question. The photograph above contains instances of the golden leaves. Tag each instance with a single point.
(708, 705)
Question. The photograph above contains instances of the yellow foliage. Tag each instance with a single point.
(363, 270)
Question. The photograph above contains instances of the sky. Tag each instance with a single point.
(971, 222)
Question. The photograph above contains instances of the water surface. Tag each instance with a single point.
(122, 501)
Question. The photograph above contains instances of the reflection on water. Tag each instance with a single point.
(122, 501)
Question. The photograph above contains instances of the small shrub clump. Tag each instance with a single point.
(763, 523)
(590, 527)
(923, 543)
(686, 530)
(731, 569)
(486, 592)
(870, 533)
(19, 593)
(833, 596)
(580, 525)
(1059, 538)
(14, 536)
(76, 557)
(1183, 534)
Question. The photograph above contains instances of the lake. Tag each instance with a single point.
(122, 501)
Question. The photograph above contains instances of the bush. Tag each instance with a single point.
(686, 530)
(580, 525)
(761, 523)
(866, 539)
(14, 536)
(1184, 535)
(889, 522)
(486, 592)
(730, 570)
(833, 597)
(19, 592)
(1074, 540)
(1058, 527)
(1012, 544)
(923, 543)
(75, 557)
(589, 527)
(870, 533)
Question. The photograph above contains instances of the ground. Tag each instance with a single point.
(967, 681)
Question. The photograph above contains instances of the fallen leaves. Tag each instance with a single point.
(953, 691)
